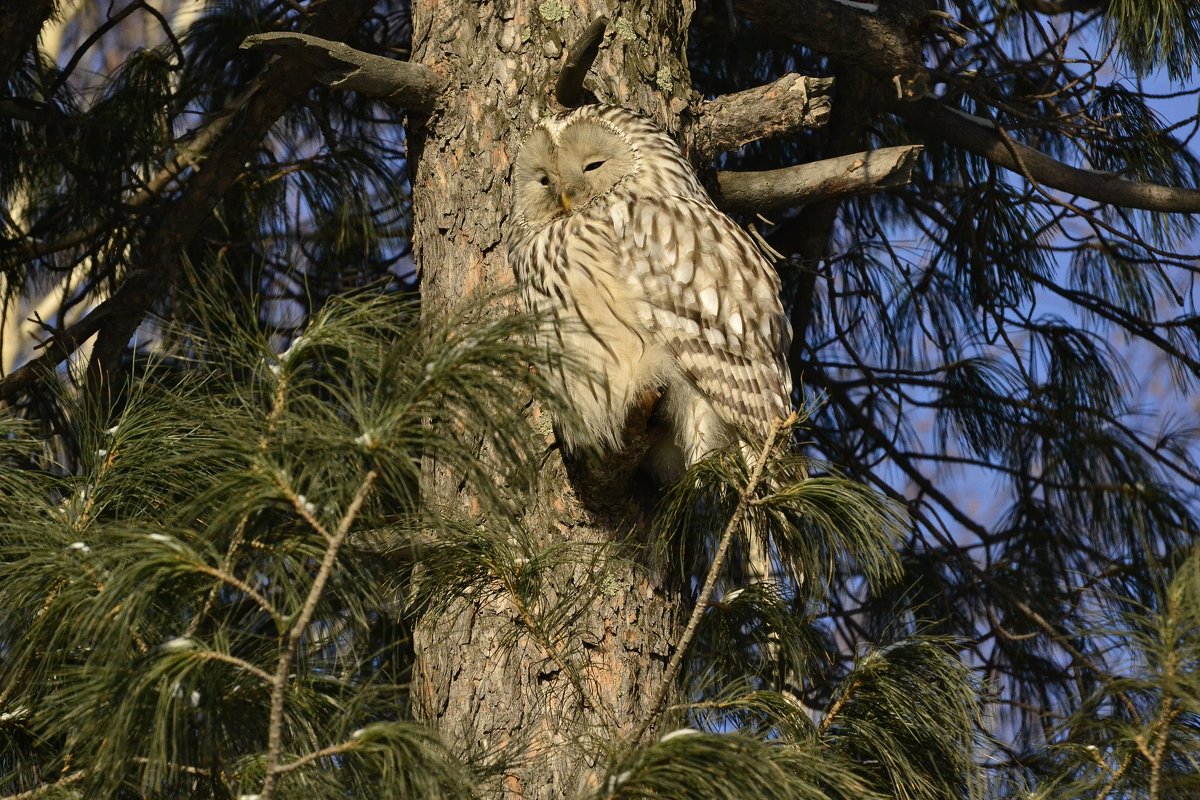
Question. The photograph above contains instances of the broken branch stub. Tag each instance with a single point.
(568, 91)
(859, 173)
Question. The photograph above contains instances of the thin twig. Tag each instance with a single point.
(239, 535)
(38, 791)
(1115, 774)
(280, 680)
(745, 495)
(278, 402)
(225, 658)
(111, 22)
(244, 588)
(325, 752)
(301, 505)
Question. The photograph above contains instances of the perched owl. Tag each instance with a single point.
(648, 284)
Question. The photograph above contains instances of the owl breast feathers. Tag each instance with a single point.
(644, 284)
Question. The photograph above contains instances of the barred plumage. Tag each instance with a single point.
(646, 283)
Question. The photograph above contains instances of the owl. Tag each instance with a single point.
(647, 288)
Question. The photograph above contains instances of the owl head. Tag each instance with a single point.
(568, 162)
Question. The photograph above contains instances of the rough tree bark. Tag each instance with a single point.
(472, 682)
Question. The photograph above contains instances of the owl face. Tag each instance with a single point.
(566, 164)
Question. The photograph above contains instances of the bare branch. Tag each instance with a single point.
(57, 349)
(569, 88)
(112, 21)
(886, 44)
(980, 136)
(859, 173)
(790, 104)
(413, 87)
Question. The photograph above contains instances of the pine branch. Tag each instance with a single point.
(744, 503)
(324, 752)
(188, 156)
(242, 587)
(234, 661)
(836, 709)
(280, 679)
(48, 788)
(883, 47)
(225, 146)
(885, 43)
(160, 258)
(981, 137)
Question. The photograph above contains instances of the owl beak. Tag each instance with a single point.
(564, 200)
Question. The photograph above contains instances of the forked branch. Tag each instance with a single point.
(299, 626)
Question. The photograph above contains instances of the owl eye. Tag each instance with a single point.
(544, 180)
(593, 165)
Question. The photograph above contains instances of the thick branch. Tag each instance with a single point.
(859, 173)
(413, 87)
(981, 137)
(886, 43)
(790, 104)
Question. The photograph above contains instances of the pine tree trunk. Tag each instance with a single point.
(479, 685)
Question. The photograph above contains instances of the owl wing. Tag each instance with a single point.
(712, 299)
